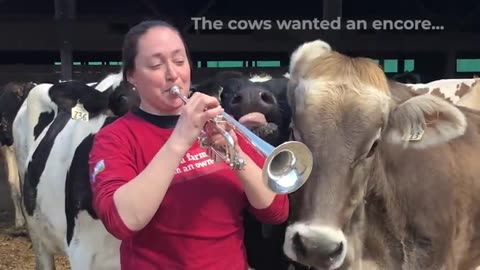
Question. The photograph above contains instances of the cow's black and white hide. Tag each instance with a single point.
(259, 102)
(52, 152)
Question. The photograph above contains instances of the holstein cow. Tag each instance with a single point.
(395, 182)
(53, 133)
(259, 102)
(11, 98)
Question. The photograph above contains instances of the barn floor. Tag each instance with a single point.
(15, 248)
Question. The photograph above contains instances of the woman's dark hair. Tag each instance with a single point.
(130, 43)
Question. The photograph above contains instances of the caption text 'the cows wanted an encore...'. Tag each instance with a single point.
(202, 23)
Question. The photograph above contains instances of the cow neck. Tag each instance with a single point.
(161, 121)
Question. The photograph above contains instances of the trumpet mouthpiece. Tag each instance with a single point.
(178, 92)
(175, 90)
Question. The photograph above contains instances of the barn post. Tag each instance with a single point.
(332, 9)
(451, 63)
(64, 17)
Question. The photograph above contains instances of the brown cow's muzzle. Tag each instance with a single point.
(321, 247)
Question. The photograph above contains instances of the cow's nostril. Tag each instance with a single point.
(336, 252)
(267, 98)
(236, 100)
(298, 244)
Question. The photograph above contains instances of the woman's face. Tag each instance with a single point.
(161, 62)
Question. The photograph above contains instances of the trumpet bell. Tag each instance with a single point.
(287, 167)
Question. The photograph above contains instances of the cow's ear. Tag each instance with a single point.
(296, 95)
(208, 87)
(424, 121)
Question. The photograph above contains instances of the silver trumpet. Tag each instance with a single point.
(287, 166)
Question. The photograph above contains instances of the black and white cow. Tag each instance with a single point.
(52, 148)
(12, 96)
(258, 102)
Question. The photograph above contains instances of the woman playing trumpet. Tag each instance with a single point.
(154, 187)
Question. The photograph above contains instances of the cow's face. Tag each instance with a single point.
(261, 106)
(259, 103)
(350, 123)
(342, 129)
(11, 100)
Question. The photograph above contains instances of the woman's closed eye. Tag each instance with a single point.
(179, 61)
(156, 65)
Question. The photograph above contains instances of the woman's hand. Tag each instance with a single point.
(199, 109)
(215, 137)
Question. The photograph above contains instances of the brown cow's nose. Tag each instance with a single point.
(319, 246)
(259, 100)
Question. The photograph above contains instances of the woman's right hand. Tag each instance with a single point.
(196, 112)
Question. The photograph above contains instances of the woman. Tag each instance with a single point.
(154, 188)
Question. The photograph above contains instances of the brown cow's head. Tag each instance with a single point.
(343, 111)
(11, 99)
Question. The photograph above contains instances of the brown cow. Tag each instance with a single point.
(395, 181)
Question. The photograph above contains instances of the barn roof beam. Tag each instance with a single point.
(350, 41)
(332, 9)
(94, 36)
(150, 5)
(200, 13)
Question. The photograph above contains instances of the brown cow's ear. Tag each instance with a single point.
(425, 121)
(296, 92)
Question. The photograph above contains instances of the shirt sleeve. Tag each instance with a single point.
(111, 164)
(278, 210)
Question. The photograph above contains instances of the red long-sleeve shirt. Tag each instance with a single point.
(199, 224)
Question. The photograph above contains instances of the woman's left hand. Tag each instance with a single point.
(215, 137)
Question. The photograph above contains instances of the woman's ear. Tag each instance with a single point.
(130, 80)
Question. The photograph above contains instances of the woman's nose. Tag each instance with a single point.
(171, 72)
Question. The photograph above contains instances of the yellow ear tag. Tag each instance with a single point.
(416, 135)
(79, 112)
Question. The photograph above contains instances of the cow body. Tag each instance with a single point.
(52, 153)
(395, 180)
(464, 92)
(449, 89)
(53, 187)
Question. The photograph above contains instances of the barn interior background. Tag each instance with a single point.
(51, 40)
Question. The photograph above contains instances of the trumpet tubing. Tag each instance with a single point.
(287, 166)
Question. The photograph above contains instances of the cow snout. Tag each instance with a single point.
(318, 246)
(259, 99)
